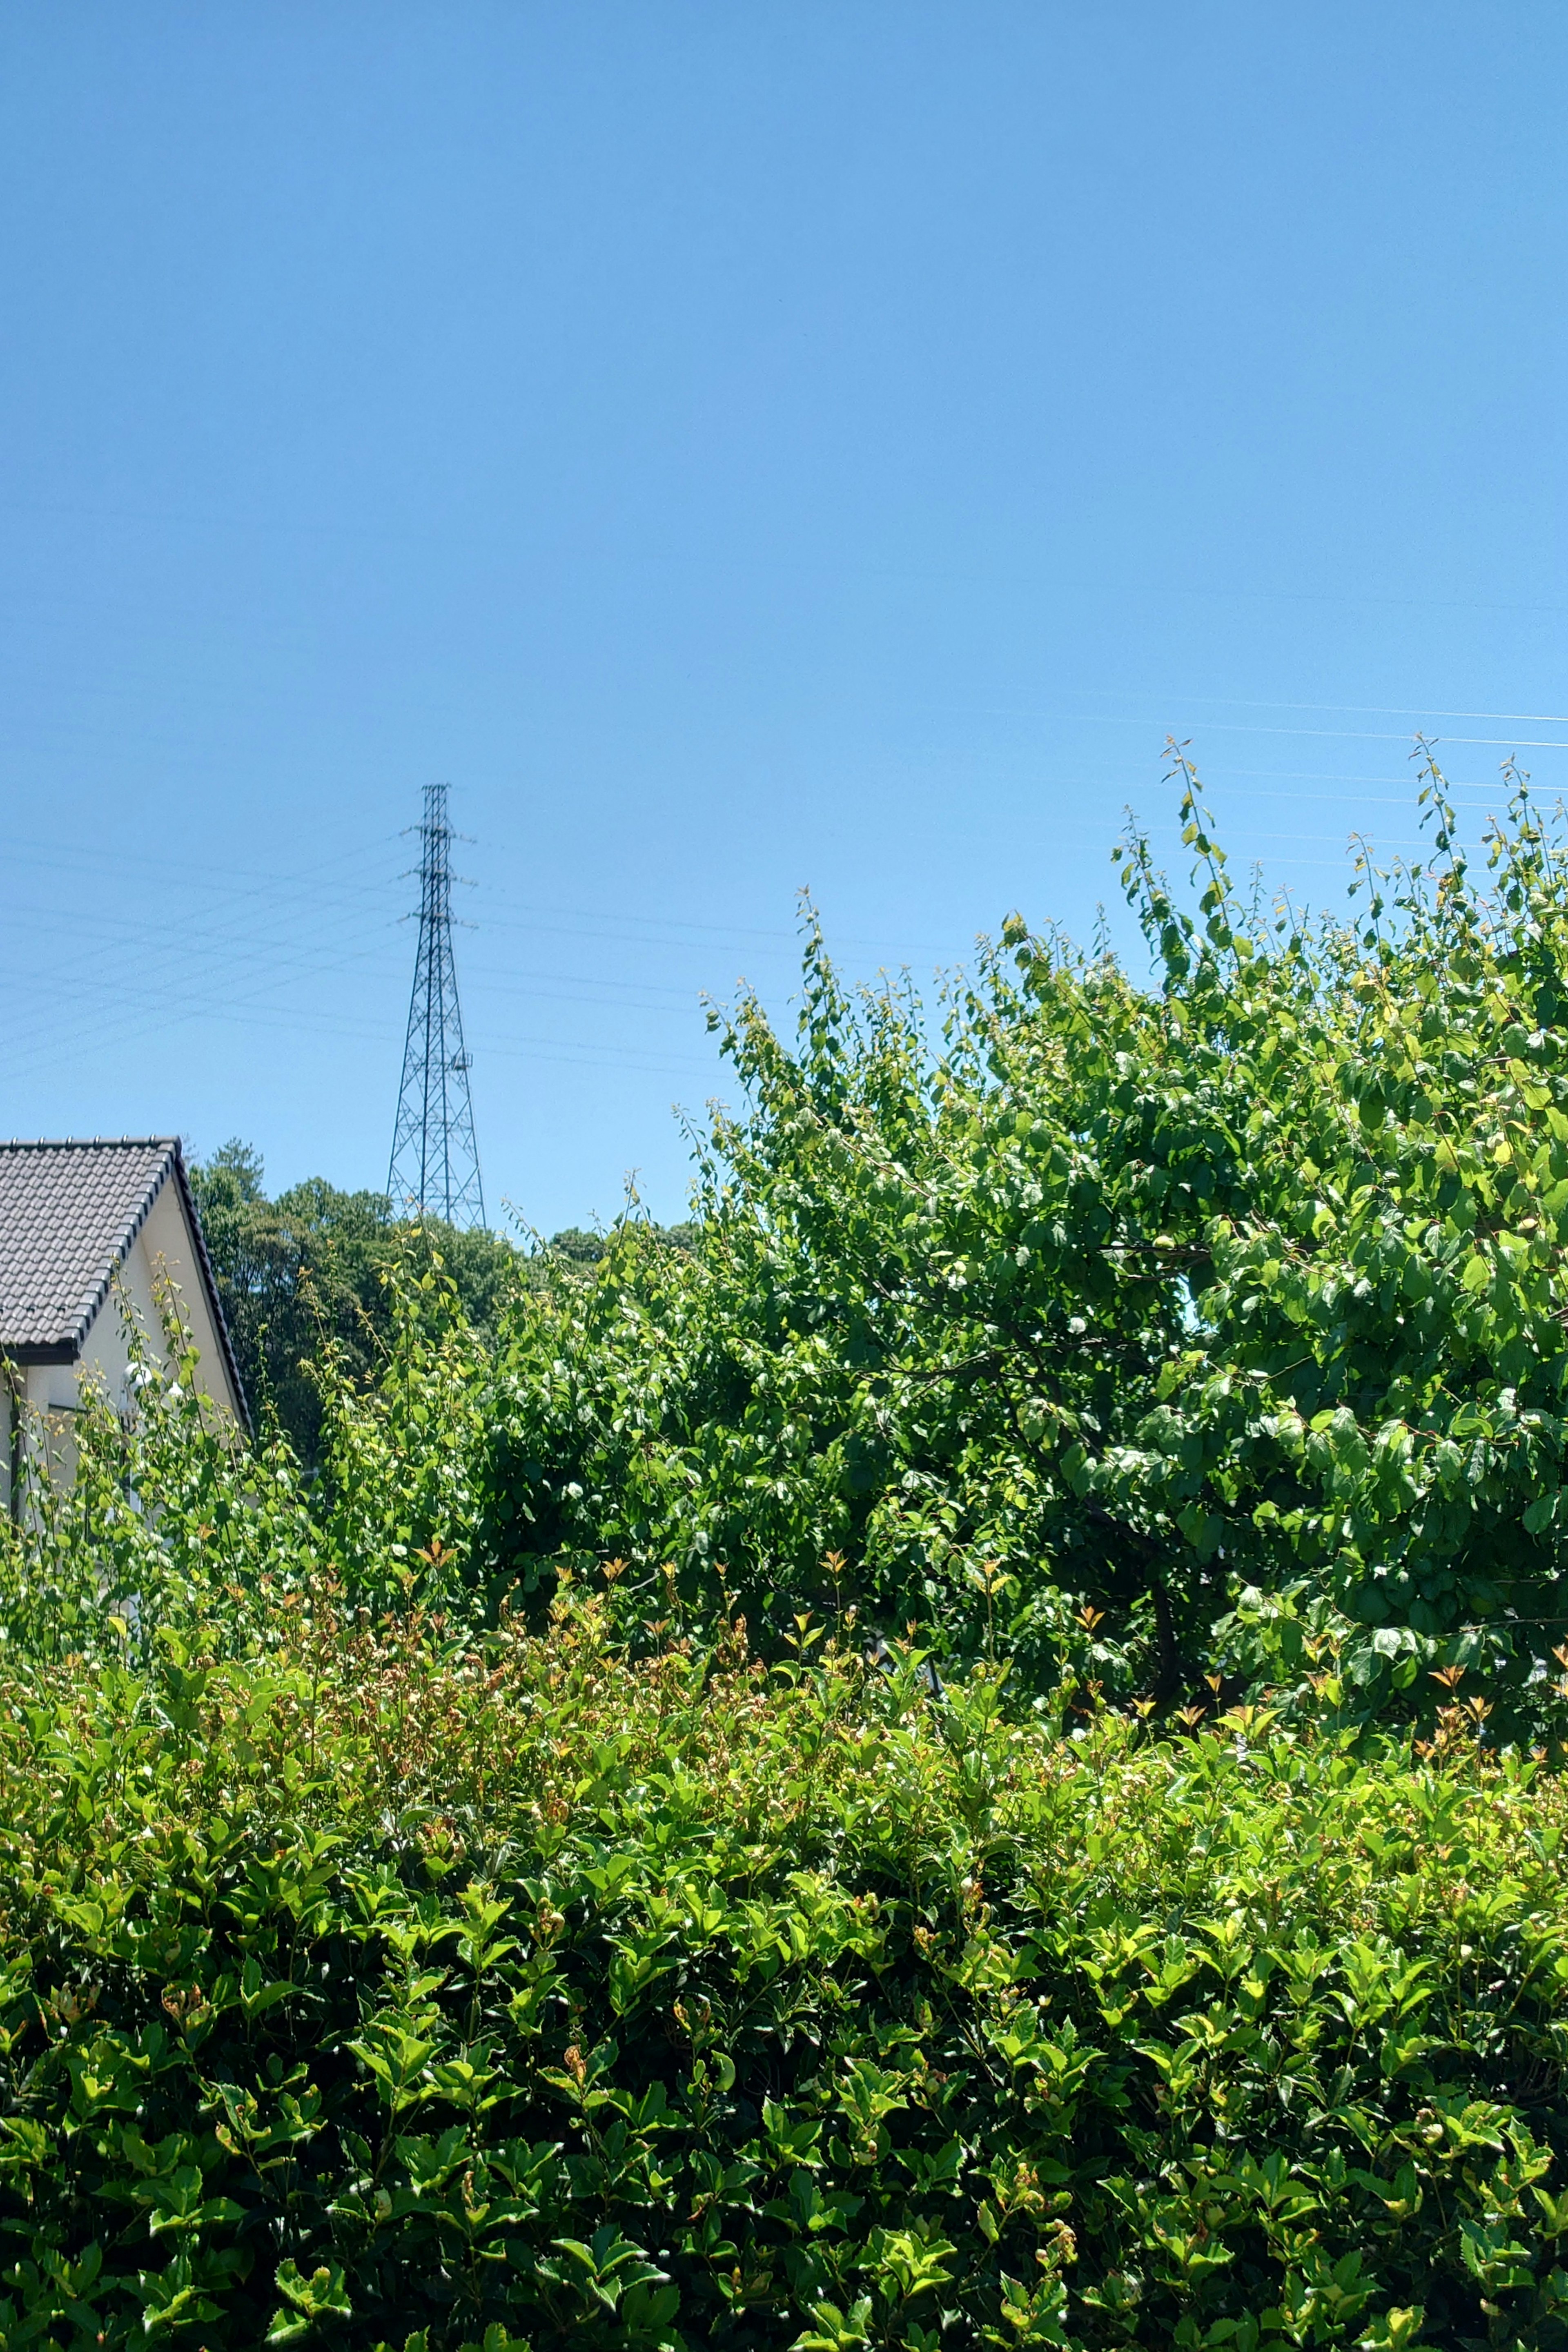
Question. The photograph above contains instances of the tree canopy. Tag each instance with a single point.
(1146, 1327)
(1142, 1329)
(308, 1270)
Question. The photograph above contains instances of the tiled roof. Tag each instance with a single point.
(68, 1212)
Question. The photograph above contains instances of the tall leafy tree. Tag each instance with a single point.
(1159, 1325)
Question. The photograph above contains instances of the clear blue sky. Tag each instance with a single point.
(738, 446)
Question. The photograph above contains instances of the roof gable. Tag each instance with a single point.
(69, 1213)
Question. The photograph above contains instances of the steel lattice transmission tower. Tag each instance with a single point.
(434, 1168)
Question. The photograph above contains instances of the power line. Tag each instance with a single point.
(234, 946)
(1256, 702)
(1237, 727)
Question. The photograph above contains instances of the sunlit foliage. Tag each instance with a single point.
(967, 1755)
(1223, 1309)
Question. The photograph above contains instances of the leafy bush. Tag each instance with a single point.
(376, 1968)
(367, 1981)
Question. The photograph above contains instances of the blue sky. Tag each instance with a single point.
(737, 449)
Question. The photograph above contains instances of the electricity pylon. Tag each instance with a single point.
(435, 1170)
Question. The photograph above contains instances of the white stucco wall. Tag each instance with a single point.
(165, 1246)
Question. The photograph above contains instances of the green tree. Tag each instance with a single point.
(1159, 1329)
(311, 1268)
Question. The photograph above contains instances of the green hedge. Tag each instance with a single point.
(385, 1983)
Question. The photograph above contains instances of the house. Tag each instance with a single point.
(76, 1217)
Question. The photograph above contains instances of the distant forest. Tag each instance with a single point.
(308, 1270)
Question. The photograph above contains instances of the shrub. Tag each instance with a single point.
(386, 1981)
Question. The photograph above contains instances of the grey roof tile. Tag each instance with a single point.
(68, 1212)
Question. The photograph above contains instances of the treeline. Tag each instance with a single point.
(305, 1274)
(304, 1277)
